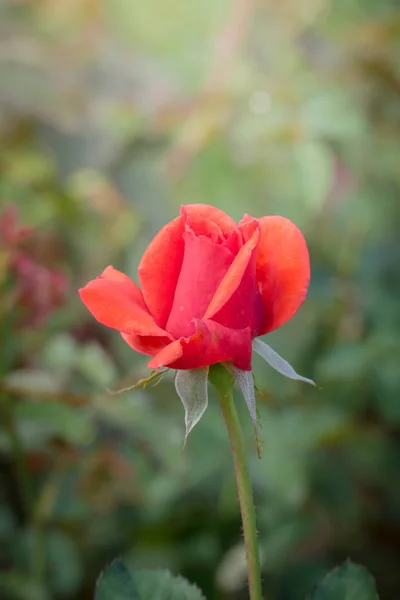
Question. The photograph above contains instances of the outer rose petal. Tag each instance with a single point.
(204, 266)
(168, 356)
(114, 303)
(283, 270)
(147, 344)
(113, 275)
(204, 213)
(210, 344)
(159, 269)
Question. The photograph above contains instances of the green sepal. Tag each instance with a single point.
(277, 362)
(245, 381)
(191, 386)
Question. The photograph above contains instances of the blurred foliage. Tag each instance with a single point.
(347, 581)
(120, 582)
(112, 113)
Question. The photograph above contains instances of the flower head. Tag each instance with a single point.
(209, 286)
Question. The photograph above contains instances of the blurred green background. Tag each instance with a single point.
(112, 114)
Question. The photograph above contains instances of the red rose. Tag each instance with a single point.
(208, 288)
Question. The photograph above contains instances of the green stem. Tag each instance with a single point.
(245, 494)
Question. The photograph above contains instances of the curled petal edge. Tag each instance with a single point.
(210, 344)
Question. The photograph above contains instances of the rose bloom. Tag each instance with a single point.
(208, 287)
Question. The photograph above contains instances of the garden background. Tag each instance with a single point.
(112, 114)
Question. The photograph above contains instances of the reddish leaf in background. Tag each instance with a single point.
(11, 232)
(37, 289)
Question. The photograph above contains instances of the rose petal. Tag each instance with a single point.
(245, 307)
(204, 213)
(283, 270)
(114, 275)
(113, 302)
(168, 356)
(234, 241)
(210, 344)
(147, 344)
(236, 314)
(204, 266)
(247, 227)
(206, 228)
(159, 269)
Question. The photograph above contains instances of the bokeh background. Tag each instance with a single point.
(112, 114)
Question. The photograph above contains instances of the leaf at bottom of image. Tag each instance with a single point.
(119, 582)
(349, 581)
